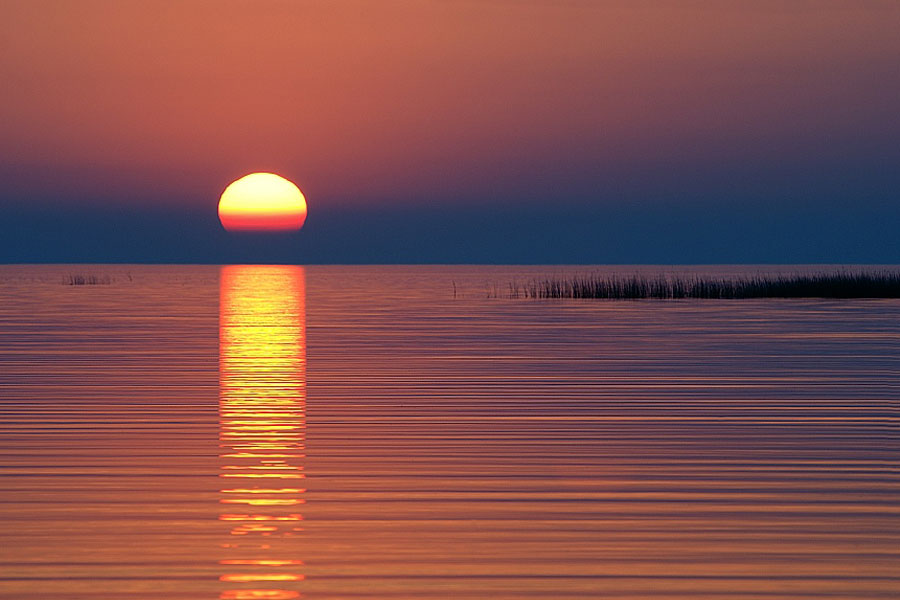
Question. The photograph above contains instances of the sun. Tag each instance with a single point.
(262, 202)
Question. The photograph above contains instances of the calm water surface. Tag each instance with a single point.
(266, 433)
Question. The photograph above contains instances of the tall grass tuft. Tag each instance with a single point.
(77, 279)
(820, 285)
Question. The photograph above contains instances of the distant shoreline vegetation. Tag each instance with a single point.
(636, 287)
(78, 279)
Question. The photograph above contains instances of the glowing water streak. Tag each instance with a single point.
(262, 415)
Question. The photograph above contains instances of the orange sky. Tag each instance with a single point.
(430, 101)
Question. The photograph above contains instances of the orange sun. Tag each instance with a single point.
(262, 202)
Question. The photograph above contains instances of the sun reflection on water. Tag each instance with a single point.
(262, 414)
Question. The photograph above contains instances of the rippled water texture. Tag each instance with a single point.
(266, 432)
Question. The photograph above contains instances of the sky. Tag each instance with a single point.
(454, 131)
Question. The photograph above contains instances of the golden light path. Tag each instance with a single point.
(262, 386)
(262, 202)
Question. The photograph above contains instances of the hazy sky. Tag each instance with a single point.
(454, 130)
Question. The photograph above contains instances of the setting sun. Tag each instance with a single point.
(262, 202)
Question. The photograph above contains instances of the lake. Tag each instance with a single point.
(337, 432)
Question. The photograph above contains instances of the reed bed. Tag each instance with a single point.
(87, 280)
(637, 287)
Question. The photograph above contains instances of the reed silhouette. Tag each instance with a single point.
(636, 287)
(87, 280)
